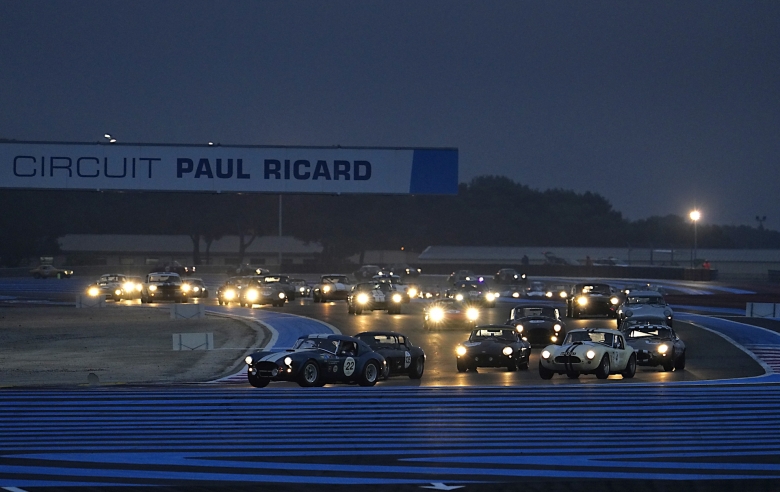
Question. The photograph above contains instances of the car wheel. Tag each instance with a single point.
(370, 374)
(513, 365)
(630, 367)
(573, 375)
(679, 364)
(219, 302)
(524, 366)
(462, 367)
(350, 309)
(544, 372)
(358, 311)
(310, 374)
(279, 304)
(417, 369)
(669, 364)
(257, 381)
(144, 300)
(602, 371)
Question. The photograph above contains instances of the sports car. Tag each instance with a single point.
(464, 276)
(259, 292)
(50, 271)
(536, 290)
(646, 303)
(404, 270)
(131, 288)
(655, 344)
(493, 346)
(592, 300)
(230, 291)
(403, 358)
(556, 292)
(474, 292)
(284, 282)
(538, 323)
(110, 285)
(406, 291)
(600, 351)
(372, 296)
(164, 286)
(333, 287)
(198, 288)
(450, 313)
(509, 276)
(302, 287)
(317, 360)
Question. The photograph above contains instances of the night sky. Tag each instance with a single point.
(658, 106)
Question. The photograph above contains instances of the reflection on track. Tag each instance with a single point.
(353, 435)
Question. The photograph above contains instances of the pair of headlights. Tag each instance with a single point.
(287, 360)
(461, 350)
(590, 354)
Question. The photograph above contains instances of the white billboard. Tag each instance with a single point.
(148, 167)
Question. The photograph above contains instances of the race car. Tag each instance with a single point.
(284, 282)
(258, 292)
(645, 303)
(164, 286)
(540, 324)
(464, 276)
(536, 290)
(302, 287)
(230, 291)
(333, 287)
(131, 288)
(198, 288)
(50, 271)
(655, 343)
(448, 313)
(599, 351)
(592, 300)
(406, 291)
(317, 360)
(473, 292)
(372, 296)
(403, 358)
(493, 346)
(556, 292)
(509, 276)
(110, 285)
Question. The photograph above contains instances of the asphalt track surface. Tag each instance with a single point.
(493, 430)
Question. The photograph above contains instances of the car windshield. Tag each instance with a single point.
(596, 289)
(298, 282)
(531, 312)
(590, 336)
(497, 334)
(335, 279)
(658, 300)
(165, 278)
(378, 340)
(113, 278)
(272, 280)
(325, 344)
(650, 331)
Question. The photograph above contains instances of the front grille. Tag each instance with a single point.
(567, 359)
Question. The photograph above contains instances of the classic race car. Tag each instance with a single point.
(592, 300)
(464, 276)
(198, 288)
(599, 351)
(644, 304)
(655, 344)
(509, 276)
(230, 291)
(536, 290)
(132, 287)
(403, 358)
(450, 313)
(539, 324)
(493, 346)
(302, 288)
(110, 285)
(372, 296)
(284, 282)
(316, 360)
(333, 287)
(406, 291)
(556, 292)
(404, 270)
(50, 271)
(164, 286)
(259, 292)
(473, 292)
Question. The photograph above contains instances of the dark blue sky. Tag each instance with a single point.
(656, 105)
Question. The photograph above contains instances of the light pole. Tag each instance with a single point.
(695, 215)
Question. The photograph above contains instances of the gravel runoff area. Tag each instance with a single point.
(66, 346)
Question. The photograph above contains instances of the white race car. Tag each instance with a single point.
(644, 304)
(599, 351)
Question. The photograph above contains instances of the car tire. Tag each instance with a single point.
(358, 311)
(544, 372)
(257, 381)
(309, 375)
(350, 309)
(144, 300)
(512, 366)
(630, 367)
(668, 365)
(418, 368)
(602, 371)
(370, 374)
(462, 367)
(525, 365)
(679, 364)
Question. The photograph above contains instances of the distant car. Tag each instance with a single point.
(373, 296)
(111, 284)
(164, 286)
(407, 291)
(644, 304)
(464, 276)
(332, 287)
(509, 276)
(50, 271)
(600, 351)
(536, 290)
(557, 292)
(655, 344)
(173, 267)
(302, 287)
(198, 288)
(474, 292)
(317, 360)
(449, 313)
(284, 282)
(230, 291)
(366, 272)
(132, 287)
(592, 299)
(404, 270)
(538, 323)
(247, 269)
(513, 291)
(611, 261)
(403, 358)
(493, 346)
(257, 292)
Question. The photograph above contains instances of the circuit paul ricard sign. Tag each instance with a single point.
(149, 167)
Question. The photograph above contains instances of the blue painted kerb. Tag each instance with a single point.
(434, 172)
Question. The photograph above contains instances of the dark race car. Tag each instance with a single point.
(332, 287)
(509, 276)
(316, 360)
(537, 323)
(592, 299)
(464, 276)
(302, 287)
(164, 286)
(198, 288)
(475, 293)
(493, 346)
(403, 358)
(230, 291)
(655, 344)
(448, 313)
(373, 296)
(259, 292)
(284, 282)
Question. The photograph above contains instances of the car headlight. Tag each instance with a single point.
(118, 292)
(490, 297)
(397, 298)
(248, 360)
(507, 351)
(614, 301)
(460, 350)
(362, 298)
(185, 287)
(282, 295)
(582, 301)
(472, 314)
(288, 361)
(196, 289)
(628, 313)
(93, 291)
(252, 295)
(590, 354)
(152, 288)
(458, 297)
(436, 314)
(663, 348)
(549, 294)
(557, 327)
(545, 354)
(412, 292)
(326, 288)
(128, 286)
(139, 287)
(519, 328)
(302, 289)
(230, 294)
(564, 295)
(554, 339)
